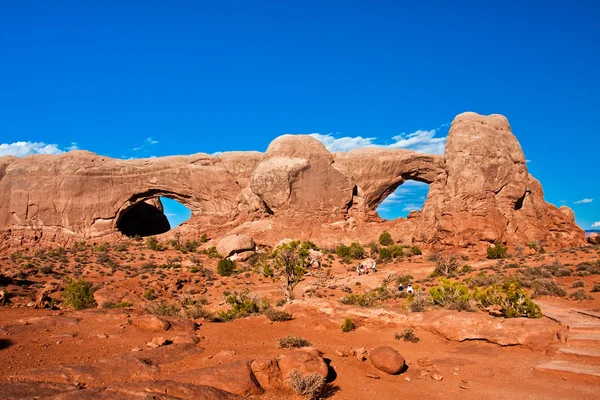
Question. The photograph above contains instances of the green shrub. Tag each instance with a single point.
(357, 251)
(466, 269)
(190, 246)
(226, 267)
(79, 294)
(416, 250)
(292, 342)
(513, 302)
(408, 335)
(278, 315)
(149, 294)
(342, 251)
(348, 325)
(397, 250)
(368, 298)
(452, 296)
(153, 244)
(212, 252)
(241, 306)
(110, 304)
(497, 251)
(596, 288)
(385, 254)
(385, 239)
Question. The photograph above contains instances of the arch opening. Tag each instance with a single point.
(406, 198)
(152, 216)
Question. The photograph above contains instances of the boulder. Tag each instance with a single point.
(232, 244)
(307, 360)
(151, 323)
(387, 359)
(235, 377)
(267, 373)
(535, 334)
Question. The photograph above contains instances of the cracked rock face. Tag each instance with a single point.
(480, 192)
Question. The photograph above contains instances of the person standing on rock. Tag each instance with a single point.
(409, 289)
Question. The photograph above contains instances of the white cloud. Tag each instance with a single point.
(411, 207)
(21, 149)
(146, 144)
(596, 224)
(584, 201)
(421, 141)
(344, 143)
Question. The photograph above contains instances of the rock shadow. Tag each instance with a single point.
(5, 343)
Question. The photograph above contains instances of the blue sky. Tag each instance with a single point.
(138, 79)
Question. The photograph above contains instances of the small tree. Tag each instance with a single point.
(385, 239)
(226, 267)
(290, 261)
(79, 294)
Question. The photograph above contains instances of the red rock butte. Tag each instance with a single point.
(480, 193)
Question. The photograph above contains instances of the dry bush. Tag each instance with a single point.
(278, 315)
(309, 385)
(546, 287)
(446, 266)
(292, 341)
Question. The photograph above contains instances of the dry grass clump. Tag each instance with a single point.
(292, 342)
(547, 287)
(580, 295)
(278, 315)
(309, 385)
(408, 335)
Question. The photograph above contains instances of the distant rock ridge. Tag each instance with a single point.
(480, 192)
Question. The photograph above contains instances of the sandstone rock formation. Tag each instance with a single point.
(480, 192)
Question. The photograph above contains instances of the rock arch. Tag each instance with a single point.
(480, 191)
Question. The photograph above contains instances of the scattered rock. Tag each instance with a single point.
(160, 341)
(424, 362)
(387, 360)
(186, 339)
(372, 376)
(436, 376)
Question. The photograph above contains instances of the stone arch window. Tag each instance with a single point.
(146, 215)
(407, 198)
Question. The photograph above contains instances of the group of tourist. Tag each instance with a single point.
(409, 288)
(366, 267)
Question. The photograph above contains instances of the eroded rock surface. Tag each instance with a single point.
(480, 192)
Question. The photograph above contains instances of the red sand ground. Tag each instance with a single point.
(32, 338)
